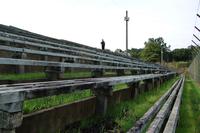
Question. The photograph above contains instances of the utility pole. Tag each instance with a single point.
(126, 19)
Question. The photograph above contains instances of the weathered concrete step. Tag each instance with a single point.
(174, 116)
(156, 125)
(41, 89)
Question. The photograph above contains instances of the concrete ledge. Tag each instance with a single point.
(143, 121)
(174, 116)
(158, 121)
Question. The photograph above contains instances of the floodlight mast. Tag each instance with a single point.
(126, 18)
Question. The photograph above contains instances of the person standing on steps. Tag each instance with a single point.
(103, 44)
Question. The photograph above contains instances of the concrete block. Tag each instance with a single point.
(120, 72)
(102, 94)
(7, 131)
(20, 68)
(54, 73)
(97, 73)
(135, 89)
(10, 120)
(12, 107)
(148, 84)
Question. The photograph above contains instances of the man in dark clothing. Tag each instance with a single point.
(102, 44)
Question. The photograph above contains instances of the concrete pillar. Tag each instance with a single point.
(120, 72)
(70, 60)
(55, 73)
(11, 116)
(146, 71)
(97, 72)
(7, 43)
(62, 69)
(152, 71)
(140, 72)
(20, 68)
(133, 72)
(156, 82)
(148, 84)
(135, 89)
(141, 87)
(161, 80)
(102, 94)
(153, 83)
(44, 57)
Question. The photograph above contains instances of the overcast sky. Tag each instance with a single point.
(88, 21)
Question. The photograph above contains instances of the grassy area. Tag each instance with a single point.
(120, 86)
(125, 114)
(190, 108)
(41, 75)
(51, 101)
(122, 116)
(179, 66)
(78, 74)
(25, 76)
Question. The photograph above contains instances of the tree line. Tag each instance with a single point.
(153, 49)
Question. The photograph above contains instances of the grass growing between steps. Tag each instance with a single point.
(122, 116)
(42, 75)
(189, 121)
(120, 86)
(51, 101)
(25, 76)
(77, 74)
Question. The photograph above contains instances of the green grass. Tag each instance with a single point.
(25, 76)
(41, 75)
(120, 86)
(78, 74)
(125, 114)
(51, 101)
(189, 121)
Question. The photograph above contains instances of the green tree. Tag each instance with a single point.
(135, 53)
(182, 54)
(152, 50)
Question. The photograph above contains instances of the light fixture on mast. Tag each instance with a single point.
(126, 18)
